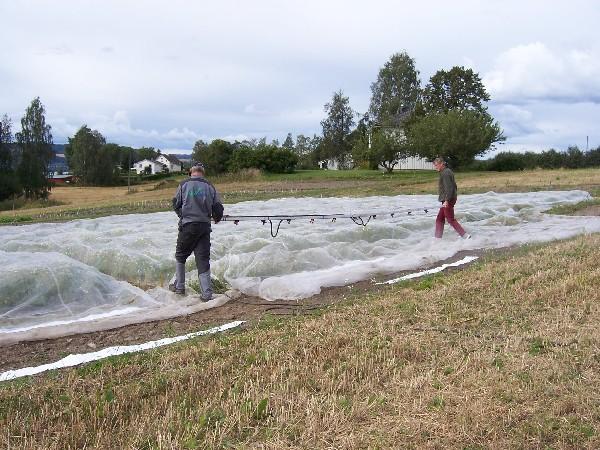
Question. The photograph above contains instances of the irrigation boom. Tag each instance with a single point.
(359, 218)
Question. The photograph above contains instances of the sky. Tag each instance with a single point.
(167, 73)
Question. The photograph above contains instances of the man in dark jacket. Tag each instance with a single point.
(196, 202)
(448, 195)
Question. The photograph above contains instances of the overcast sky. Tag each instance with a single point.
(166, 73)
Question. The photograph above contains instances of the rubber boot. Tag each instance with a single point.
(205, 285)
(180, 276)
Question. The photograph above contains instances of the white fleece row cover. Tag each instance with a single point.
(117, 268)
(82, 358)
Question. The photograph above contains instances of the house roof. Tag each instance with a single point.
(172, 158)
(147, 161)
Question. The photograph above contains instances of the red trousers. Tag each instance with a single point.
(447, 213)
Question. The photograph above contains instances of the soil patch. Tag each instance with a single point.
(593, 210)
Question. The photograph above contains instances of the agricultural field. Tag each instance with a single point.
(70, 202)
(501, 353)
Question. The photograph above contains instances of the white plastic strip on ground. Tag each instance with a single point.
(74, 360)
(90, 318)
(465, 260)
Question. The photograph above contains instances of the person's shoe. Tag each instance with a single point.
(466, 236)
(172, 288)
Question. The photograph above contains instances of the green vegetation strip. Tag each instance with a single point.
(502, 354)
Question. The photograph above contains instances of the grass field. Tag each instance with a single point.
(81, 202)
(503, 354)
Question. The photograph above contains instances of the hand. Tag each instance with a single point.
(445, 204)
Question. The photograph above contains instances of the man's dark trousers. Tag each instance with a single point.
(193, 237)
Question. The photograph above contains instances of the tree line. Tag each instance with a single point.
(573, 158)
(25, 156)
(447, 117)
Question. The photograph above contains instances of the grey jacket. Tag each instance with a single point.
(447, 186)
(197, 200)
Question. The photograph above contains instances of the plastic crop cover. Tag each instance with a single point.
(93, 274)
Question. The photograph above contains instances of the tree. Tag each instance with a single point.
(91, 160)
(456, 89)
(5, 145)
(459, 136)
(214, 156)
(127, 157)
(384, 147)
(148, 153)
(336, 129)
(288, 143)
(574, 158)
(395, 93)
(9, 183)
(303, 149)
(592, 158)
(35, 143)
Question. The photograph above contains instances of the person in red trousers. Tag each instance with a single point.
(447, 196)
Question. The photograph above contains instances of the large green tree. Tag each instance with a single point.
(455, 89)
(452, 120)
(215, 156)
(9, 183)
(379, 146)
(396, 91)
(147, 153)
(336, 130)
(35, 143)
(91, 159)
(458, 135)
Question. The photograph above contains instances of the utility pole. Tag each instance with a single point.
(587, 143)
(129, 173)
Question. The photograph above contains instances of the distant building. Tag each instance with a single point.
(412, 163)
(60, 179)
(147, 165)
(172, 163)
(162, 164)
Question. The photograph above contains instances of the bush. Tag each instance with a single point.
(268, 158)
(506, 161)
(275, 160)
(573, 158)
(9, 185)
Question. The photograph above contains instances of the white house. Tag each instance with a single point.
(412, 163)
(171, 162)
(155, 166)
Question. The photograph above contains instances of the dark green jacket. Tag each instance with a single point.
(447, 186)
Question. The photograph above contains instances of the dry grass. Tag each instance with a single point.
(504, 354)
(254, 186)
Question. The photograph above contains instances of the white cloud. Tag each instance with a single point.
(536, 72)
(171, 72)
